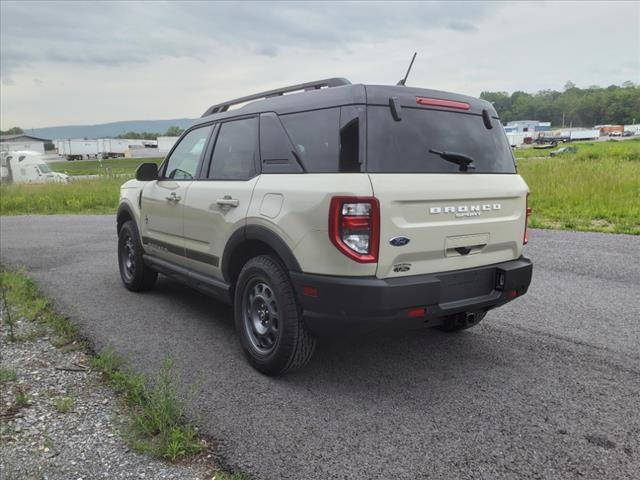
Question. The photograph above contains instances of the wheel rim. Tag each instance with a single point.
(127, 258)
(261, 316)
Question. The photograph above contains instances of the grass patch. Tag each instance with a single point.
(64, 404)
(22, 399)
(118, 166)
(594, 189)
(95, 196)
(157, 423)
(22, 296)
(7, 375)
(86, 196)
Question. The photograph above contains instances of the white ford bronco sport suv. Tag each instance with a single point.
(326, 205)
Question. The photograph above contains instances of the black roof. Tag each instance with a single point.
(20, 136)
(333, 92)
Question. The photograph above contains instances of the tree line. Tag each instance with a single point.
(172, 131)
(12, 131)
(578, 107)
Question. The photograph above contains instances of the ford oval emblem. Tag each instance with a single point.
(399, 241)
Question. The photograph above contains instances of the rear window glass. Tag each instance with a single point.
(403, 146)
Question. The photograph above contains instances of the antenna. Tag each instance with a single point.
(404, 80)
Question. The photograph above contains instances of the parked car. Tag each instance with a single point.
(334, 205)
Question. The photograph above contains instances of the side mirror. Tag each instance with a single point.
(147, 172)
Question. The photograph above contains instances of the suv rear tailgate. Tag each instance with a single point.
(452, 221)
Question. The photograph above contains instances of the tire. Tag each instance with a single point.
(268, 319)
(461, 321)
(135, 274)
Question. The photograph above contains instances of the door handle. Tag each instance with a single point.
(173, 198)
(227, 201)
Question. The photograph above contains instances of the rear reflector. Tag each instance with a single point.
(440, 102)
(525, 240)
(511, 293)
(310, 292)
(417, 312)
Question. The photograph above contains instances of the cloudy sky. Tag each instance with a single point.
(79, 63)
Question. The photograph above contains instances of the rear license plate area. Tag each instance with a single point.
(466, 284)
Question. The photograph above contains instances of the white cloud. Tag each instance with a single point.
(116, 61)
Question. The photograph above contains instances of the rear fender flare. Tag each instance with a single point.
(264, 235)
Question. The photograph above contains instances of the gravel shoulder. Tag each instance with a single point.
(59, 420)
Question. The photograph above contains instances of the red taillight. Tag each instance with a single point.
(526, 223)
(354, 227)
(441, 102)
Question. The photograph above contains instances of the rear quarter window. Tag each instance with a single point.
(403, 146)
(327, 140)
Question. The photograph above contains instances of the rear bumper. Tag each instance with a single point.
(370, 302)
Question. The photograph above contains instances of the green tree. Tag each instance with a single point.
(12, 131)
(174, 131)
(138, 136)
(578, 107)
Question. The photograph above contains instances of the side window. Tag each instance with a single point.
(315, 135)
(236, 150)
(350, 139)
(327, 140)
(183, 162)
(276, 150)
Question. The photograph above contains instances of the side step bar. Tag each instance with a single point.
(205, 284)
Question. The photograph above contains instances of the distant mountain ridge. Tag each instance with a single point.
(112, 129)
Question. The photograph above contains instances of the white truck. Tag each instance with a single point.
(27, 167)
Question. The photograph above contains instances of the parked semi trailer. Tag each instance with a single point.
(73, 149)
(113, 147)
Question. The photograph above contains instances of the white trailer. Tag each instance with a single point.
(165, 144)
(113, 147)
(74, 149)
(583, 134)
(119, 147)
(517, 138)
(634, 129)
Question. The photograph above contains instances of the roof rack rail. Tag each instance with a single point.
(328, 82)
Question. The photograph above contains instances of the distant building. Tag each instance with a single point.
(14, 143)
(607, 129)
(527, 126)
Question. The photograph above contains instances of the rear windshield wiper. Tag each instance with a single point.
(465, 162)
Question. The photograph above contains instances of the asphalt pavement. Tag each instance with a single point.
(546, 387)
